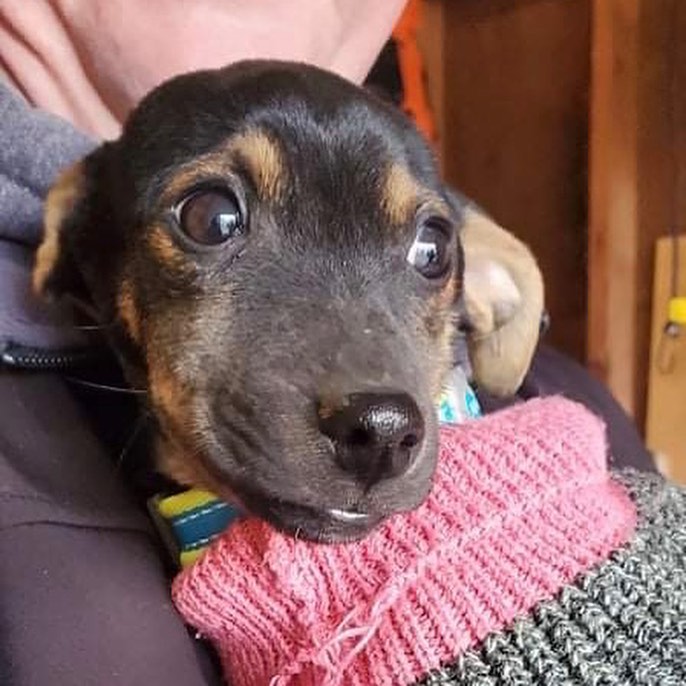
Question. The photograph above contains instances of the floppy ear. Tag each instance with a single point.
(76, 237)
(503, 300)
(55, 273)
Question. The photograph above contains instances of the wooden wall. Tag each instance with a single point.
(558, 117)
(638, 139)
(509, 80)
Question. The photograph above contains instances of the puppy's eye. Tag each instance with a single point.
(210, 217)
(430, 254)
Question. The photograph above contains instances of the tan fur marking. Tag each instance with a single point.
(172, 405)
(176, 455)
(401, 194)
(126, 305)
(166, 392)
(183, 465)
(254, 148)
(172, 463)
(171, 401)
(211, 165)
(60, 201)
(443, 304)
(164, 249)
(264, 159)
(175, 463)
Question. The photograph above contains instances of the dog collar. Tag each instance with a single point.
(189, 521)
(458, 402)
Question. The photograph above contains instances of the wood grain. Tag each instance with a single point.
(513, 83)
(635, 54)
(514, 133)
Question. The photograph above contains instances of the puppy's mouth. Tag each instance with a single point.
(325, 525)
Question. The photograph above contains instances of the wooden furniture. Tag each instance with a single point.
(666, 416)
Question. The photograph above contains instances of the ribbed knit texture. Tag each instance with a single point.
(622, 624)
(522, 504)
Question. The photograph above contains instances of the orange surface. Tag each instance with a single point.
(415, 101)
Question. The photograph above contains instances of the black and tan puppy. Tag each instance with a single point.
(286, 275)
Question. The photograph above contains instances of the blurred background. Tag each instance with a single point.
(566, 121)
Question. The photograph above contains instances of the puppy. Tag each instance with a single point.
(283, 270)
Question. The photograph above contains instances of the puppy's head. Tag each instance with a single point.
(286, 274)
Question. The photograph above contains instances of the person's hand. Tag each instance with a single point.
(91, 61)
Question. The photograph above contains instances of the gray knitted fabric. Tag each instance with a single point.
(624, 623)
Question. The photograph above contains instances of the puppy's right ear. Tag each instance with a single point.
(65, 213)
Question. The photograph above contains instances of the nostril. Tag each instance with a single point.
(375, 435)
(360, 437)
(410, 441)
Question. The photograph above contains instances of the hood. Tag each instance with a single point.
(36, 146)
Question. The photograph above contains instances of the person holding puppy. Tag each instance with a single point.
(84, 595)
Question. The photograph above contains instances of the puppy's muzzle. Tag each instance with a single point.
(376, 436)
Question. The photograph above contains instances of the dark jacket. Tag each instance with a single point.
(84, 597)
(83, 594)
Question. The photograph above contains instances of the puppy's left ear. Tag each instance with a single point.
(55, 273)
(503, 303)
(74, 236)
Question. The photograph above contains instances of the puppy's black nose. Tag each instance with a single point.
(375, 435)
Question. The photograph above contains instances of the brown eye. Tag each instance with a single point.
(211, 217)
(430, 254)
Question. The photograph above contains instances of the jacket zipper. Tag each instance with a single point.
(31, 358)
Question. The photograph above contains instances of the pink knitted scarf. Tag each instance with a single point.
(522, 503)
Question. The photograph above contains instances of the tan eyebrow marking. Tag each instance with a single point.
(264, 159)
(258, 152)
(401, 193)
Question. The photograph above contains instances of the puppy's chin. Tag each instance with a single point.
(299, 521)
(324, 524)
(310, 524)
(324, 518)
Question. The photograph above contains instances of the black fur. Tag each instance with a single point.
(319, 302)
